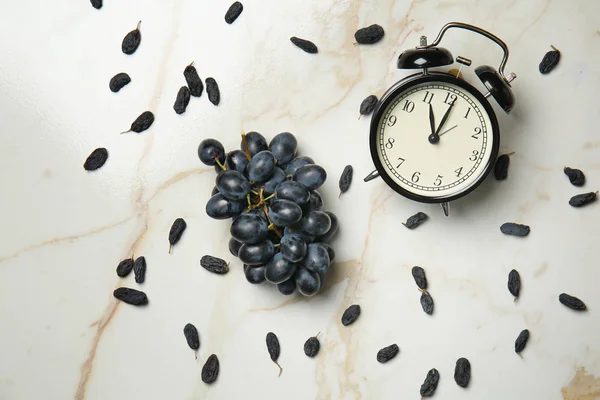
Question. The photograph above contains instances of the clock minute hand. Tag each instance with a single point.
(444, 118)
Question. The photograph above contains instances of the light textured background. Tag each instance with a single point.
(64, 230)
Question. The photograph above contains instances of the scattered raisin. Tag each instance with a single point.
(312, 346)
(131, 296)
(346, 179)
(124, 268)
(182, 100)
(191, 336)
(430, 384)
(501, 166)
(572, 302)
(132, 40)
(368, 105)
(305, 45)
(415, 220)
(212, 88)
(427, 302)
(510, 228)
(521, 341)
(351, 315)
(234, 12)
(418, 274)
(369, 35)
(193, 80)
(550, 60)
(214, 264)
(576, 176)
(141, 123)
(274, 349)
(97, 4)
(210, 370)
(462, 372)
(583, 199)
(176, 231)
(118, 81)
(514, 283)
(387, 353)
(96, 159)
(139, 269)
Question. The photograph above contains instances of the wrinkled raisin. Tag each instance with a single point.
(387, 353)
(96, 159)
(141, 123)
(368, 105)
(124, 268)
(583, 199)
(418, 274)
(131, 296)
(274, 349)
(234, 12)
(462, 372)
(501, 166)
(176, 231)
(193, 80)
(97, 4)
(427, 303)
(550, 60)
(514, 283)
(210, 370)
(369, 35)
(312, 346)
(191, 336)
(118, 81)
(305, 45)
(576, 176)
(132, 40)
(212, 89)
(430, 384)
(415, 220)
(214, 264)
(572, 302)
(351, 315)
(521, 341)
(346, 179)
(510, 228)
(182, 100)
(139, 269)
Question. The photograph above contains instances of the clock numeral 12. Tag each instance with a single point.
(438, 180)
(428, 97)
(409, 106)
(450, 98)
(401, 161)
(458, 172)
(477, 133)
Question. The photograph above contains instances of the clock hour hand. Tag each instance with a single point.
(433, 137)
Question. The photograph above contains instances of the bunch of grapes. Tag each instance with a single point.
(279, 230)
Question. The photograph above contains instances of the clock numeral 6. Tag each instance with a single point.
(438, 180)
(415, 177)
(477, 133)
(391, 120)
(409, 106)
(390, 143)
(474, 156)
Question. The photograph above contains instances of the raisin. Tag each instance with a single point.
(514, 283)
(131, 296)
(583, 199)
(418, 274)
(312, 346)
(368, 105)
(415, 220)
(274, 349)
(351, 315)
(141, 123)
(139, 269)
(387, 353)
(234, 12)
(176, 231)
(210, 370)
(132, 40)
(191, 336)
(124, 268)
(501, 166)
(97, 4)
(510, 228)
(572, 302)
(462, 372)
(193, 80)
(430, 384)
(346, 179)
(521, 341)
(550, 60)
(214, 264)
(182, 100)
(576, 176)
(212, 89)
(369, 35)
(305, 45)
(96, 159)
(427, 303)
(118, 81)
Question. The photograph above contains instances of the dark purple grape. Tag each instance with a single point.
(283, 146)
(284, 212)
(254, 275)
(276, 179)
(288, 287)
(233, 185)
(256, 143)
(249, 228)
(317, 258)
(316, 223)
(234, 246)
(237, 161)
(308, 282)
(209, 150)
(315, 203)
(261, 167)
(290, 190)
(279, 269)
(256, 254)
(214, 191)
(220, 207)
(333, 230)
(297, 163)
(312, 176)
(293, 247)
(330, 252)
(295, 229)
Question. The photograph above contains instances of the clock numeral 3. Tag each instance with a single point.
(401, 161)
(477, 133)
(409, 106)
(428, 97)
(450, 98)
(474, 156)
(391, 120)
(415, 177)
(458, 172)
(390, 143)
(438, 180)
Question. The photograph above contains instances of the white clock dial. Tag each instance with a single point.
(440, 169)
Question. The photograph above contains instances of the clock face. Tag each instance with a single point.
(435, 139)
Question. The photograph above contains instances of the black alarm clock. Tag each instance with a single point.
(434, 137)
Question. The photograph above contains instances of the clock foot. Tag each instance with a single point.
(446, 208)
(372, 176)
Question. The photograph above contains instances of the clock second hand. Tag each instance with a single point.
(448, 130)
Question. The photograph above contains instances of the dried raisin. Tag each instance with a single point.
(96, 159)
(312, 346)
(139, 269)
(182, 100)
(572, 302)
(141, 123)
(501, 166)
(368, 105)
(427, 302)
(214, 264)
(369, 35)
(210, 370)
(387, 353)
(418, 274)
(132, 40)
(131, 296)
(234, 12)
(462, 372)
(193, 80)
(430, 384)
(212, 89)
(415, 220)
(118, 81)
(510, 228)
(124, 268)
(576, 176)
(351, 315)
(274, 349)
(305, 45)
(346, 179)
(521, 341)
(191, 336)
(550, 60)
(176, 231)
(97, 4)
(514, 283)
(583, 199)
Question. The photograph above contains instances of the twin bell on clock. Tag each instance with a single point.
(434, 137)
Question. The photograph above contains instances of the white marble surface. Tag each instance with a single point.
(64, 230)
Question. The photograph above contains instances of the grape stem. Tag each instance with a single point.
(271, 226)
(245, 144)
(219, 164)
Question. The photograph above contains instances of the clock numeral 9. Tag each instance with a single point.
(438, 180)
(450, 98)
(477, 133)
(390, 143)
(401, 161)
(474, 156)
(415, 177)
(391, 120)
(409, 106)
